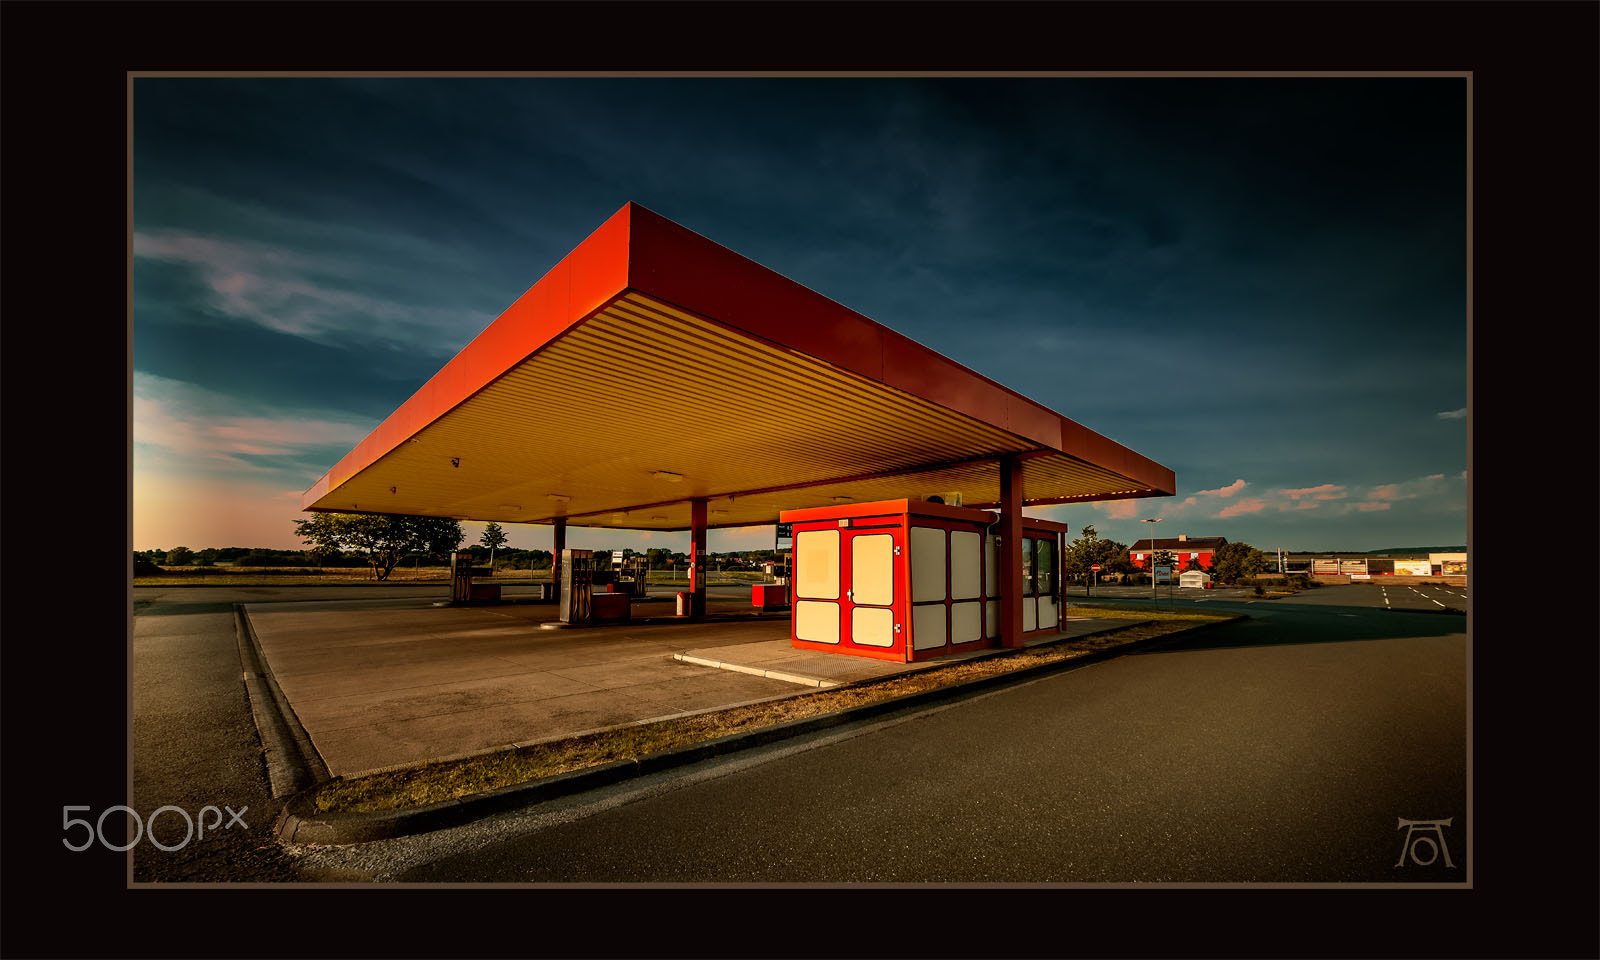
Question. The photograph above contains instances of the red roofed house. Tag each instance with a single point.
(1184, 547)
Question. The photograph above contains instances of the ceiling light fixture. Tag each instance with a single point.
(669, 477)
(559, 497)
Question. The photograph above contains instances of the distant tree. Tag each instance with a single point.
(1235, 561)
(1080, 556)
(259, 558)
(493, 537)
(1164, 558)
(143, 566)
(179, 556)
(382, 538)
(1116, 558)
(658, 556)
(325, 556)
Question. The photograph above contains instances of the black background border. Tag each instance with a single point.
(66, 374)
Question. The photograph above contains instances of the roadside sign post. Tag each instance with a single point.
(1096, 568)
(1152, 556)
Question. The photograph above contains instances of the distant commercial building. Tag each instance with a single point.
(1190, 551)
(1359, 564)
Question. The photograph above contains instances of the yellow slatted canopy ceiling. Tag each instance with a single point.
(652, 367)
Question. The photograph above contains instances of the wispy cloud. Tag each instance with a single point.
(314, 298)
(1226, 491)
(1310, 498)
(1433, 487)
(1118, 509)
(207, 431)
(1324, 491)
(1243, 506)
(1453, 414)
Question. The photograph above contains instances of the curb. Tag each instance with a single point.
(300, 823)
(1459, 613)
(293, 764)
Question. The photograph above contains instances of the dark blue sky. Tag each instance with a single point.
(1259, 282)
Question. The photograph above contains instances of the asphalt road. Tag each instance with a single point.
(195, 745)
(1431, 597)
(1283, 749)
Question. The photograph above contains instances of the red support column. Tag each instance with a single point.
(697, 558)
(555, 567)
(1010, 549)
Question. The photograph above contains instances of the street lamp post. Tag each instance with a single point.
(1152, 559)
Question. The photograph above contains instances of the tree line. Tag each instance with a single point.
(382, 542)
(1231, 562)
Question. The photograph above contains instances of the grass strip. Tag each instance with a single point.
(448, 780)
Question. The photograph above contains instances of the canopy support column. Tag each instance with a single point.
(1010, 550)
(697, 558)
(555, 567)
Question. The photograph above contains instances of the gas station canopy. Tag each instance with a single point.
(652, 367)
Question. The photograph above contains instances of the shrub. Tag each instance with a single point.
(145, 567)
(257, 560)
(1259, 591)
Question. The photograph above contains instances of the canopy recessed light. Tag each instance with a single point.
(559, 497)
(669, 477)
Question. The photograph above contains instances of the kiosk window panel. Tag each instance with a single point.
(991, 619)
(872, 626)
(816, 621)
(1027, 566)
(1047, 612)
(872, 569)
(991, 568)
(1029, 618)
(927, 626)
(927, 563)
(966, 621)
(816, 566)
(1045, 566)
(966, 559)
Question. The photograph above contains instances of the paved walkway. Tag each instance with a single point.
(383, 683)
(777, 660)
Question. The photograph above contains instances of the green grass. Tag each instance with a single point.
(448, 780)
